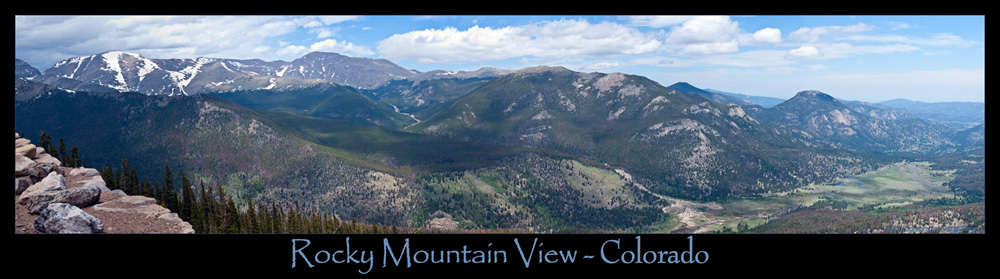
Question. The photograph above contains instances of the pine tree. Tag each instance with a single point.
(170, 197)
(279, 219)
(146, 189)
(133, 177)
(187, 198)
(168, 177)
(314, 222)
(272, 215)
(293, 220)
(250, 218)
(197, 217)
(45, 141)
(207, 209)
(123, 182)
(230, 215)
(63, 157)
(108, 172)
(74, 157)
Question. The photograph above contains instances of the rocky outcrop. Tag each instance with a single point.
(67, 218)
(50, 198)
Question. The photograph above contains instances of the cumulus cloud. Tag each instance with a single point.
(770, 36)
(803, 53)
(551, 39)
(704, 35)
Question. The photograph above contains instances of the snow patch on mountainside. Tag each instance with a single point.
(111, 59)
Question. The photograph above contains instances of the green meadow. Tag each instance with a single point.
(895, 185)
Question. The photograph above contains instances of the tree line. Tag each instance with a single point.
(71, 159)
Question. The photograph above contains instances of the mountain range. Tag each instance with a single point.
(531, 148)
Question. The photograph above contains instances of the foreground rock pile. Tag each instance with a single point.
(50, 198)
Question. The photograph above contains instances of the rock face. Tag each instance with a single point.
(67, 218)
(50, 198)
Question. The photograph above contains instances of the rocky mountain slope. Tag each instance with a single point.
(828, 122)
(680, 143)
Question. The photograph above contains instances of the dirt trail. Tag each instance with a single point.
(690, 214)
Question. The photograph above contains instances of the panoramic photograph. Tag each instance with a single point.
(628, 126)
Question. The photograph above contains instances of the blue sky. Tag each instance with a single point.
(867, 58)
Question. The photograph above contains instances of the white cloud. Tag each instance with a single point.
(769, 36)
(322, 33)
(551, 39)
(331, 45)
(804, 53)
(312, 24)
(704, 35)
(291, 50)
(704, 29)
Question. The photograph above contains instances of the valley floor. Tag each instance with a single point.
(892, 186)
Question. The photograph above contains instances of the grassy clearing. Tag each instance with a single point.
(891, 186)
(598, 186)
(897, 184)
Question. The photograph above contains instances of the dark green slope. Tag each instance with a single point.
(395, 151)
(425, 97)
(324, 100)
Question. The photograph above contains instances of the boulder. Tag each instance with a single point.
(39, 201)
(50, 191)
(84, 172)
(27, 150)
(21, 142)
(20, 184)
(99, 183)
(66, 218)
(83, 196)
(51, 183)
(22, 165)
(46, 163)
